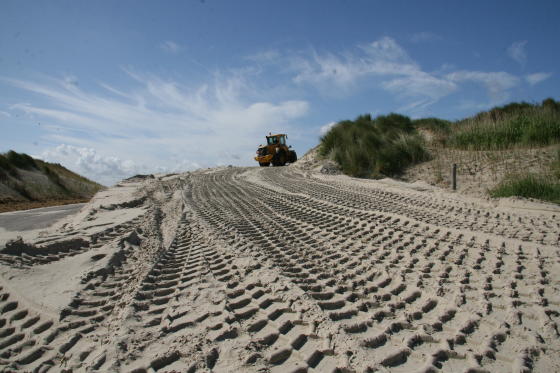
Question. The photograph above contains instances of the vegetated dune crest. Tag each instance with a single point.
(288, 270)
(27, 183)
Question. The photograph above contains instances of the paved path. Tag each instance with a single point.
(36, 218)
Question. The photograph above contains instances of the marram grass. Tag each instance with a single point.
(529, 186)
(367, 147)
(525, 125)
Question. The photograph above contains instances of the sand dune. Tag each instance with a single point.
(285, 270)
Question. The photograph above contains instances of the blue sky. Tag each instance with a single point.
(114, 88)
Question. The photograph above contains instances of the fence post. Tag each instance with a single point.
(454, 176)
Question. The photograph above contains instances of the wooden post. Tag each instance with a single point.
(454, 176)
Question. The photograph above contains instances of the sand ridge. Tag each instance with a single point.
(288, 270)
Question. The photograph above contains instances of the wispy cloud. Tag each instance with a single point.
(326, 128)
(170, 47)
(386, 64)
(384, 60)
(497, 84)
(382, 57)
(424, 89)
(517, 52)
(160, 120)
(536, 78)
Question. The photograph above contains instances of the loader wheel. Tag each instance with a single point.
(279, 159)
(293, 156)
(264, 164)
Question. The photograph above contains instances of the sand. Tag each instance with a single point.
(285, 270)
(479, 172)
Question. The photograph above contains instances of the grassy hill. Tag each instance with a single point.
(511, 150)
(26, 182)
(368, 147)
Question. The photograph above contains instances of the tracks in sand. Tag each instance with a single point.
(274, 270)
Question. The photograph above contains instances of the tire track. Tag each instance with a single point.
(321, 229)
(277, 270)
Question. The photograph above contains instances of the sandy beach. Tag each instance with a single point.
(284, 270)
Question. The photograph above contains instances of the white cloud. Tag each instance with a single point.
(383, 57)
(170, 46)
(497, 84)
(386, 49)
(106, 169)
(5, 113)
(326, 128)
(327, 69)
(421, 84)
(86, 161)
(386, 64)
(160, 122)
(517, 52)
(536, 78)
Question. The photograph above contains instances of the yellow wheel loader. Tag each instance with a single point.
(275, 151)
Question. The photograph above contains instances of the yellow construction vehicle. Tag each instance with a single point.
(275, 151)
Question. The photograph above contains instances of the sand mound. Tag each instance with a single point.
(284, 270)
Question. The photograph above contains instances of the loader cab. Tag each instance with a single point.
(276, 139)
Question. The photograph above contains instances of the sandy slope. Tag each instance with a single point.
(285, 269)
(480, 171)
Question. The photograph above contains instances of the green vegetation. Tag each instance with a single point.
(367, 147)
(515, 124)
(20, 160)
(529, 186)
(512, 126)
(440, 129)
(386, 145)
(556, 165)
(11, 161)
(433, 124)
(26, 177)
(502, 127)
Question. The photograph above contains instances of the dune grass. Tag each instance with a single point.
(19, 160)
(367, 147)
(515, 124)
(386, 145)
(63, 183)
(433, 124)
(11, 161)
(529, 186)
(507, 132)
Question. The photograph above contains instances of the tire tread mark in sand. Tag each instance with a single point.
(250, 216)
(50, 250)
(21, 331)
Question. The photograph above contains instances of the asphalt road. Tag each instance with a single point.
(36, 218)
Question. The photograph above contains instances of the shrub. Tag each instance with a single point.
(369, 147)
(20, 160)
(6, 168)
(392, 123)
(529, 186)
(433, 124)
(510, 125)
